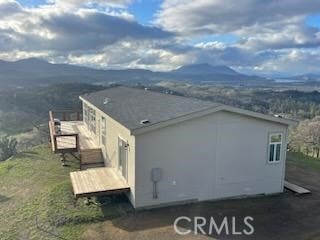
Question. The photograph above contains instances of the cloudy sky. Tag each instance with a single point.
(264, 37)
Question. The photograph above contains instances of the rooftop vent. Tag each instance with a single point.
(144, 121)
(106, 101)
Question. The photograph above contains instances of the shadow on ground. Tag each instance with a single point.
(4, 198)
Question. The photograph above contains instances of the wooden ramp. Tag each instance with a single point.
(97, 181)
(295, 188)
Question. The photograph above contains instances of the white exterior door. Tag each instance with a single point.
(98, 131)
(103, 132)
(123, 158)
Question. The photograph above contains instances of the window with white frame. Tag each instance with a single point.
(92, 121)
(89, 117)
(103, 130)
(275, 147)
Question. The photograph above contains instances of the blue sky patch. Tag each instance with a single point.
(32, 3)
(225, 38)
(144, 10)
(313, 21)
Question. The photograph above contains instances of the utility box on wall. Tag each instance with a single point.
(156, 174)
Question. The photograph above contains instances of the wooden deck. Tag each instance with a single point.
(97, 181)
(75, 127)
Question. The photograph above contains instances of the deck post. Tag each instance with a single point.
(77, 143)
(63, 159)
(55, 144)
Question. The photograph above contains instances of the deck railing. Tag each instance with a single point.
(67, 115)
(61, 142)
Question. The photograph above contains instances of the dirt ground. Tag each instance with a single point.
(283, 216)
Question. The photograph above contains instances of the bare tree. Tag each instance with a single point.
(306, 137)
(314, 137)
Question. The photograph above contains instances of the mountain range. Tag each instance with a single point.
(205, 68)
(35, 71)
(308, 77)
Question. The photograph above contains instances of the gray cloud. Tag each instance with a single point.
(9, 8)
(262, 24)
(93, 30)
(54, 29)
(217, 16)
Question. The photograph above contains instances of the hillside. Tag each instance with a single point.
(21, 109)
(36, 200)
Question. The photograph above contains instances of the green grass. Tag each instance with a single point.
(303, 160)
(35, 188)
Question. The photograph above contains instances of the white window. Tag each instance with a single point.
(89, 117)
(275, 147)
(103, 131)
(92, 120)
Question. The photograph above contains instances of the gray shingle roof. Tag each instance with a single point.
(129, 106)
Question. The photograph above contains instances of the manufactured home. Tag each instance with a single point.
(162, 149)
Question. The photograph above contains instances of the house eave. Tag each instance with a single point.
(270, 118)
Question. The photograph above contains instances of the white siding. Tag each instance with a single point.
(110, 150)
(220, 155)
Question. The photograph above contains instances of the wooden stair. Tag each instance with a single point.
(91, 158)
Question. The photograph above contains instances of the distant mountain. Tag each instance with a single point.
(309, 77)
(205, 68)
(35, 71)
